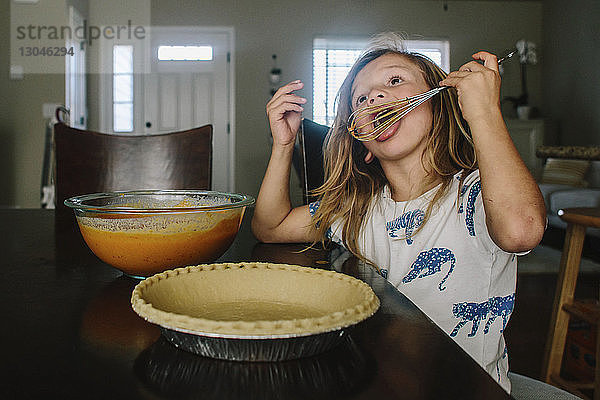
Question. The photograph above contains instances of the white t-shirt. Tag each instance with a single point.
(451, 269)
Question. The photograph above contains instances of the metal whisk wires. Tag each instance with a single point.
(368, 123)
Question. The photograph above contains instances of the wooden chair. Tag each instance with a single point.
(90, 162)
(308, 157)
(566, 306)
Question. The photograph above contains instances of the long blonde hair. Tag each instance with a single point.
(351, 184)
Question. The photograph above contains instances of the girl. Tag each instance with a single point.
(439, 206)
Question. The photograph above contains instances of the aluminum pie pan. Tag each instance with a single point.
(254, 347)
(247, 349)
(250, 341)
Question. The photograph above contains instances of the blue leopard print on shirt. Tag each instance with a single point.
(470, 208)
(312, 209)
(476, 312)
(430, 262)
(500, 307)
(504, 354)
(463, 190)
(409, 221)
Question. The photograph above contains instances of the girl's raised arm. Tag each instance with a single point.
(274, 219)
(514, 206)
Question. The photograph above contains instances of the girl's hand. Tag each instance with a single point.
(285, 113)
(478, 87)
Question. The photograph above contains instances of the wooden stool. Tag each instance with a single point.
(564, 304)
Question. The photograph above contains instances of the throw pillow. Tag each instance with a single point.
(565, 172)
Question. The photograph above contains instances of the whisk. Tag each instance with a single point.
(381, 116)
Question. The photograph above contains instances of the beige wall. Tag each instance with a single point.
(22, 127)
(263, 28)
(7, 139)
(571, 59)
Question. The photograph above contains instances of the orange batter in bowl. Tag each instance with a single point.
(142, 246)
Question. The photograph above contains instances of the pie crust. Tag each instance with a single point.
(253, 300)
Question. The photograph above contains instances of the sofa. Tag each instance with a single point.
(570, 178)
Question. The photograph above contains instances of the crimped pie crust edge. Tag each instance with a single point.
(295, 327)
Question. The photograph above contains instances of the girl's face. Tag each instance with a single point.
(387, 78)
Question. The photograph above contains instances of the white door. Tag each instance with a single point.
(184, 82)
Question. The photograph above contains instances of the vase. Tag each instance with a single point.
(523, 112)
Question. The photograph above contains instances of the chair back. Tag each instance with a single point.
(308, 157)
(90, 162)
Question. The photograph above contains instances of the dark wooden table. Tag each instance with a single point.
(68, 332)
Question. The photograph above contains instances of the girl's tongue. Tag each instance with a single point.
(382, 123)
(388, 132)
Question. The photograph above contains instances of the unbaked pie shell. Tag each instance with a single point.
(253, 300)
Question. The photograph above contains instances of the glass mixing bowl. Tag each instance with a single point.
(145, 232)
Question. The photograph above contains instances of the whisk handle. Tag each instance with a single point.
(507, 56)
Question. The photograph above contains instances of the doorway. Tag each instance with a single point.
(176, 79)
